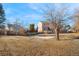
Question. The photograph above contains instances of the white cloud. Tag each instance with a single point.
(32, 16)
(36, 7)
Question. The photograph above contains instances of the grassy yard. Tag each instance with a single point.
(31, 46)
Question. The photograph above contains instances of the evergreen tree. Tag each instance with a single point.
(2, 14)
(32, 28)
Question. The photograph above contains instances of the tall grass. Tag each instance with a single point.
(30, 46)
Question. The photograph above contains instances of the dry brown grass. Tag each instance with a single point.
(30, 46)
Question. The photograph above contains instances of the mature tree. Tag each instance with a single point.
(76, 19)
(57, 16)
(2, 18)
(2, 14)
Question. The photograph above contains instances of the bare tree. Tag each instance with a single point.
(76, 19)
(17, 25)
(56, 15)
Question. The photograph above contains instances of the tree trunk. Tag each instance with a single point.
(5, 32)
(57, 33)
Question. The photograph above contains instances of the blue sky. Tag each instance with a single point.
(27, 13)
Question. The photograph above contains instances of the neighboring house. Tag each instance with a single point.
(3, 29)
(40, 27)
(17, 29)
(14, 29)
(43, 27)
(11, 29)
